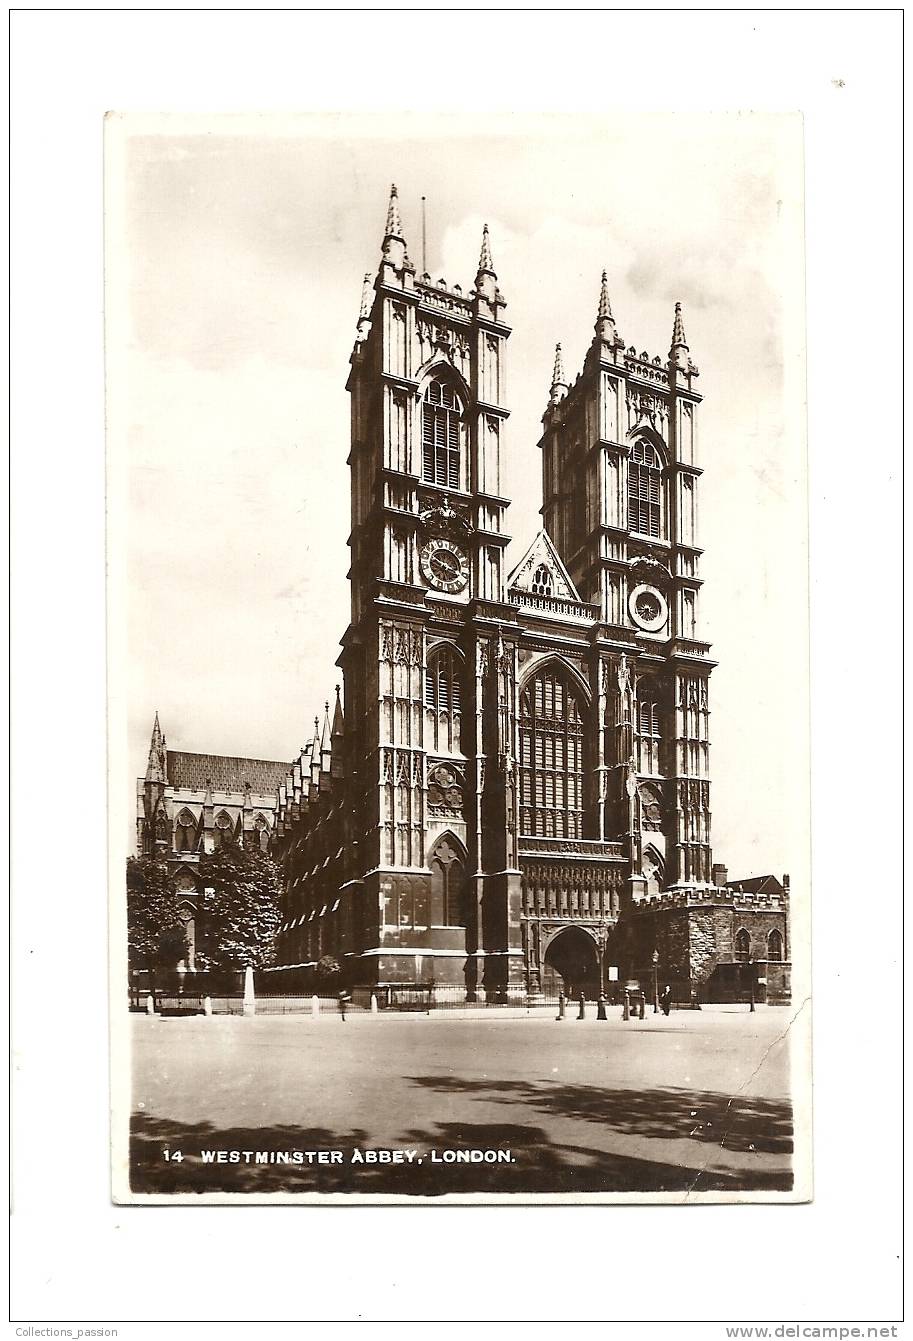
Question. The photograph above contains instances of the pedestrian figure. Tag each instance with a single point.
(344, 1000)
(581, 1014)
(600, 1007)
(665, 999)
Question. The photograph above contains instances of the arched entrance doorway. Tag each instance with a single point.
(572, 964)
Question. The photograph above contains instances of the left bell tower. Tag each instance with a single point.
(427, 578)
(427, 416)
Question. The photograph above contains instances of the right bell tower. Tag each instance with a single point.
(620, 475)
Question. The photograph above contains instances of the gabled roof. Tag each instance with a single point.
(542, 551)
(226, 773)
(757, 884)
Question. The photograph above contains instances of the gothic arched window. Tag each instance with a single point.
(261, 826)
(542, 581)
(441, 436)
(648, 726)
(775, 947)
(185, 832)
(645, 489)
(551, 757)
(443, 698)
(448, 886)
(742, 946)
(224, 830)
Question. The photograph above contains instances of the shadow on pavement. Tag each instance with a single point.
(731, 1122)
(540, 1164)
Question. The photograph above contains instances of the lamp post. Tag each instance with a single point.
(655, 982)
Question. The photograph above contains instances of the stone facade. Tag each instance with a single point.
(517, 792)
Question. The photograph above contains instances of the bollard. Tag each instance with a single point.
(581, 1012)
(315, 1006)
(600, 1007)
(643, 1002)
(207, 1005)
(373, 1004)
(150, 1004)
(626, 1007)
(249, 1004)
(561, 1006)
(695, 1004)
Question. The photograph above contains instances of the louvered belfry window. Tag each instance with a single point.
(644, 489)
(441, 412)
(551, 758)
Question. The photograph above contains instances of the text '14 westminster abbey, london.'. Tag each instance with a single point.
(514, 790)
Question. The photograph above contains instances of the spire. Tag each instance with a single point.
(678, 353)
(559, 381)
(605, 307)
(678, 329)
(338, 719)
(394, 248)
(315, 754)
(364, 314)
(485, 262)
(394, 223)
(605, 322)
(156, 767)
(337, 739)
(486, 279)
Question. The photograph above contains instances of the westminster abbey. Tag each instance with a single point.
(512, 790)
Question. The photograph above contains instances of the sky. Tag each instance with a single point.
(237, 249)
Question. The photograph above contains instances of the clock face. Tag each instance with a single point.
(648, 608)
(444, 566)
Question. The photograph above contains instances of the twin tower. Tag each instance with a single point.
(519, 794)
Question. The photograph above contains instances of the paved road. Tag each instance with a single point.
(695, 1102)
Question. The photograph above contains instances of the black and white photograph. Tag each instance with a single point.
(456, 641)
(460, 535)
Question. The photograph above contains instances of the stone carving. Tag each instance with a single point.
(446, 520)
(445, 790)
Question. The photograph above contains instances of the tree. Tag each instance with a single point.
(327, 971)
(241, 916)
(155, 932)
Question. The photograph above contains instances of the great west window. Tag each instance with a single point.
(551, 758)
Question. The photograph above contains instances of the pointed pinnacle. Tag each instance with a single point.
(366, 289)
(394, 223)
(558, 377)
(605, 307)
(485, 261)
(678, 329)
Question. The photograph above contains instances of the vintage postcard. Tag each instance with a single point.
(458, 659)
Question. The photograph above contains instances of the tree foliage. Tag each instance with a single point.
(327, 971)
(241, 916)
(155, 932)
